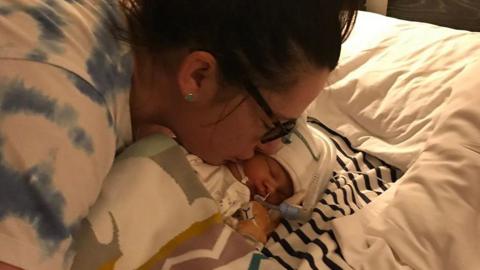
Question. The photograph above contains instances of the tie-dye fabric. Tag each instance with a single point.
(64, 87)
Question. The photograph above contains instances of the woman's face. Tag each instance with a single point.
(231, 130)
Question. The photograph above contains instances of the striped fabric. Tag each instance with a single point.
(357, 180)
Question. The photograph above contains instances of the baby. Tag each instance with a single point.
(283, 176)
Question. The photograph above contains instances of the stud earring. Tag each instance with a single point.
(189, 97)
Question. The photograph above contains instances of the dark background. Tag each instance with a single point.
(458, 14)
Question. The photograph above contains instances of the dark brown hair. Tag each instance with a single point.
(262, 41)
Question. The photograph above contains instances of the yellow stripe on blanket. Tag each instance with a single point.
(194, 230)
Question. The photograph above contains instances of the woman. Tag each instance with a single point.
(226, 77)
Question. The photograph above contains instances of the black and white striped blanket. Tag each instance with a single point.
(357, 180)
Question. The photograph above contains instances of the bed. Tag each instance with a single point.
(408, 94)
(403, 110)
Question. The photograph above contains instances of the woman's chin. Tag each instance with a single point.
(214, 161)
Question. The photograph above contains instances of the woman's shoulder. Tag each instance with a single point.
(73, 35)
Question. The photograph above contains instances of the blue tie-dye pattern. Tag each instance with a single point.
(86, 88)
(65, 115)
(110, 119)
(30, 195)
(5, 11)
(37, 55)
(81, 2)
(81, 139)
(51, 3)
(40, 203)
(19, 99)
(108, 65)
(50, 24)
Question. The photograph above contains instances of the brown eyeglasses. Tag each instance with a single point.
(279, 129)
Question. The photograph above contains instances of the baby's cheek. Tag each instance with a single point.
(251, 187)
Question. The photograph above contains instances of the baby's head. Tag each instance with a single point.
(268, 178)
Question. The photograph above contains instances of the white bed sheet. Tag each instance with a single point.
(393, 80)
(409, 93)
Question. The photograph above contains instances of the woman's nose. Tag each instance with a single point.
(270, 147)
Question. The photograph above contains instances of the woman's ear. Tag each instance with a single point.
(197, 76)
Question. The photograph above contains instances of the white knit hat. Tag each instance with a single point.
(297, 157)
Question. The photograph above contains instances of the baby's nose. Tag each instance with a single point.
(266, 187)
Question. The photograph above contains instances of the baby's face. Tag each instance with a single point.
(267, 176)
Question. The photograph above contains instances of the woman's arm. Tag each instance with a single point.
(56, 146)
